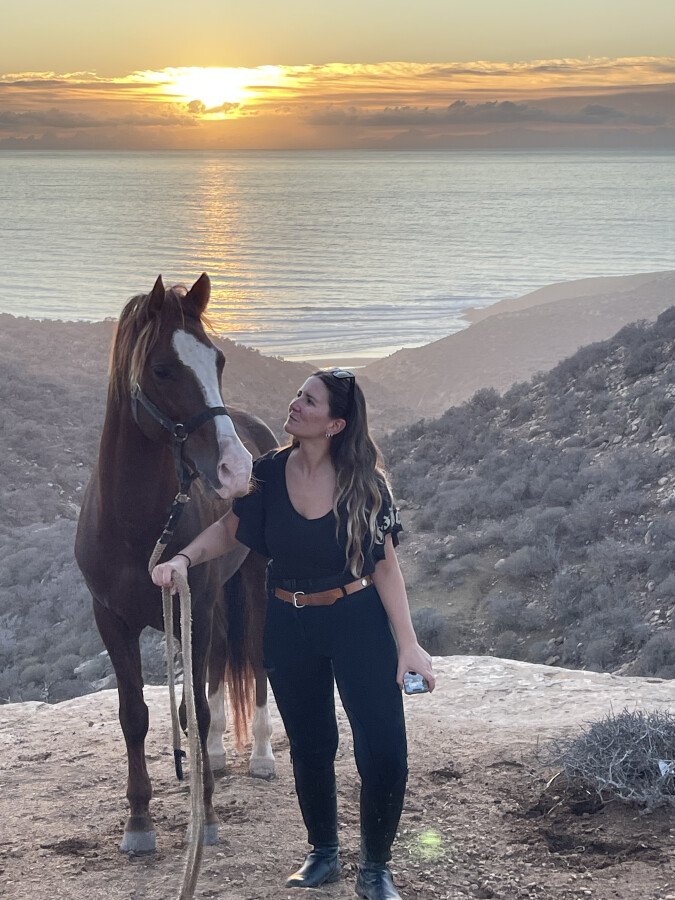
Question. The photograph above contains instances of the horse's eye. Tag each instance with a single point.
(162, 372)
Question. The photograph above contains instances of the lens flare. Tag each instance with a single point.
(430, 845)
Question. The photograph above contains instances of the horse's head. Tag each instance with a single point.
(164, 362)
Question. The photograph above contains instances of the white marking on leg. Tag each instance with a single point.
(214, 744)
(262, 764)
(201, 359)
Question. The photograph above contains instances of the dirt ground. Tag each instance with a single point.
(479, 821)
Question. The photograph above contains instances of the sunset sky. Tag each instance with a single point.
(371, 74)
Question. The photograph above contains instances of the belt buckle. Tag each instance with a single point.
(297, 594)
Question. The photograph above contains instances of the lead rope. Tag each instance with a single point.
(196, 829)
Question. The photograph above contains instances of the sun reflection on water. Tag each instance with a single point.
(220, 231)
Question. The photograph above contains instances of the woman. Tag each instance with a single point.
(321, 511)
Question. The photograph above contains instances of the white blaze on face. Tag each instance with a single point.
(234, 467)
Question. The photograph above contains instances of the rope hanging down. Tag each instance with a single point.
(196, 829)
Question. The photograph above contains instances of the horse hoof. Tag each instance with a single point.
(138, 842)
(262, 767)
(218, 762)
(210, 835)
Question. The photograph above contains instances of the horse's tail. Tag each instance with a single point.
(230, 657)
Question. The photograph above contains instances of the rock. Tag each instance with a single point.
(552, 660)
(663, 443)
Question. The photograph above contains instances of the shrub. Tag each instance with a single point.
(565, 594)
(669, 421)
(584, 359)
(529, 562)
(600, 654)
(506, 645)
(587, 520)
(455, 570)
(633, 334)
(629, 756)
(657, 657)
(559, 492)
(432, 629)
(643, 359)
(656, 411)
(521, 411)
(485, 400)
(464, 542)
(510, 612)
(667, 587)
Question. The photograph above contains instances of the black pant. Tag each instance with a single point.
(306, 652)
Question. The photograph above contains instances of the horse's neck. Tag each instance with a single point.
(136, 476)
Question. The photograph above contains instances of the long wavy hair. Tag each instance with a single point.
(361, 477)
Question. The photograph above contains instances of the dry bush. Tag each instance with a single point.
(630, 756)
(432, 629)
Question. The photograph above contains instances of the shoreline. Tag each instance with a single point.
(556, 292)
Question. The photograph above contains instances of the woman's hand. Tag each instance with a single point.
(413, 658)
(162, 575)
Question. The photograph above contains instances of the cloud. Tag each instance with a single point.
(596, 113)
(343, 105)
(61, 119)
(491, 112)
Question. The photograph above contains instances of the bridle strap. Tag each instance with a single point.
(179, 434)
(179, 431)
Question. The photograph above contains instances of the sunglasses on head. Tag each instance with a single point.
(345, 373)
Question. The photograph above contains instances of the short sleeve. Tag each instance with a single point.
(251, 512)
(388, 522)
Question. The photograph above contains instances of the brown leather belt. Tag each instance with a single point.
(323, 598)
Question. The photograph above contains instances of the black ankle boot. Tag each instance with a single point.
(317, 796)
(374, 882)
(321, 866)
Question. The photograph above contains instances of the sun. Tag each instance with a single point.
(215, 87)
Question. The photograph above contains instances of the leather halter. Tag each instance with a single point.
(179, 434)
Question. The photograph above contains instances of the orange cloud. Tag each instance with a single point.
(627, 101)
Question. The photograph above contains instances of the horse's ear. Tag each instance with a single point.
(197, 298)
(156, 297)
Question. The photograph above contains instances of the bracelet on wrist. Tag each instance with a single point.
(185, 556)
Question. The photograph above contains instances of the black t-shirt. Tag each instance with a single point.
(301, 548)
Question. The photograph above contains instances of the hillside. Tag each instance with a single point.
(542, 522)
(53, 382)
(514, 339)
(479, 821)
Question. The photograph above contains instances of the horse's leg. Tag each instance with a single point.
(122, 645)
(216, 679)
(201, 636)
(261, 763)
(218, 711)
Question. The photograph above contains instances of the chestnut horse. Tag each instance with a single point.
(164, 372)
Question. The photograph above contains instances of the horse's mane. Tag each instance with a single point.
(136, 334)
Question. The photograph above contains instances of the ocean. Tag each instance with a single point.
(325, 254)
